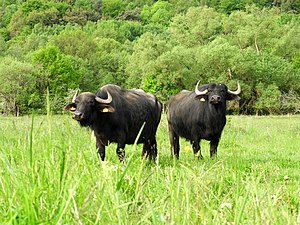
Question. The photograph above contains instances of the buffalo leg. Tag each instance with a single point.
(197, 148)
(150, 149)
(146, 149)
(213, 148)
(144, 152)
(153, 149)
(101, 148)
(121, 151)
(174, 141)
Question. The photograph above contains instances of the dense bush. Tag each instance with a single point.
(161, 46)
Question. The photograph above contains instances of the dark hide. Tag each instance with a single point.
(197, 117)
(121, 120)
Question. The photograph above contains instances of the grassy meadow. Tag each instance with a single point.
(50, 174)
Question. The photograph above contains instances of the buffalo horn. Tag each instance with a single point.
(237, 91)
(106, 101)
(74, 97)
(200, 92)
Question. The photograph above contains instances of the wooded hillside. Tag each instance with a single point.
(48, 49)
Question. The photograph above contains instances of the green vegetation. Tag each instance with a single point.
(161, 46)
(50, 174)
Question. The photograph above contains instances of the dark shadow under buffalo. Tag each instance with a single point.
(117, 115)
(199, 114)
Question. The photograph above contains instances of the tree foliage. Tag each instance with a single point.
(160, 46)
(18, 90)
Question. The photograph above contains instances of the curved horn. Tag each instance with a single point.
(75, 96)
(106, 101)
(238, 91)
(200, 92)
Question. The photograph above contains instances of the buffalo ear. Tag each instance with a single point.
(230, 97)
(201, 98)
(106, 108)
(71, 107)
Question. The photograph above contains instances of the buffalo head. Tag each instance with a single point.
(86, 106)
(216, 93)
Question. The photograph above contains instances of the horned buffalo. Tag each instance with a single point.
(199, 114)
(117, 115)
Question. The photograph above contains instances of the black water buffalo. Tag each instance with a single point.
(117, 115)
(199, 114)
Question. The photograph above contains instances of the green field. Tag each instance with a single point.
(50, 174)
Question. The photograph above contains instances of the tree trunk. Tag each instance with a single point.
(16, 109)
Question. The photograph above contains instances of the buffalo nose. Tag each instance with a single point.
(215, 99)
(77, 116)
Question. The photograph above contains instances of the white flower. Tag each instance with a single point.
(226, 204)
(162, 218)
(273, 196)
(94, 197)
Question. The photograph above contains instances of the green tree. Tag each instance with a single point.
(112, 8)
(46, 17)
(82, 12)
(181, 6)
(296, 61)
(161, 46)
(262, 30)
(169, 72)
(63, 72)
(118, 30)
(265, 69)
(160, 12)
(16, 24)
(7, 14)
(228, 6)
(109, 63)
(146, 50)
(288, 45)
(288, 5)
(75, 43)
(2, 45)
(197, 27)
(18, 90)
(268, 99)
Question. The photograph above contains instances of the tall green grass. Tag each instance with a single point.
(50, 174)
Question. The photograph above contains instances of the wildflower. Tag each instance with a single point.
(226, 204)
(273, 196)
(162, 218)
(94, 197)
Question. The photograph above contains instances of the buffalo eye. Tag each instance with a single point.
(91, 102)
